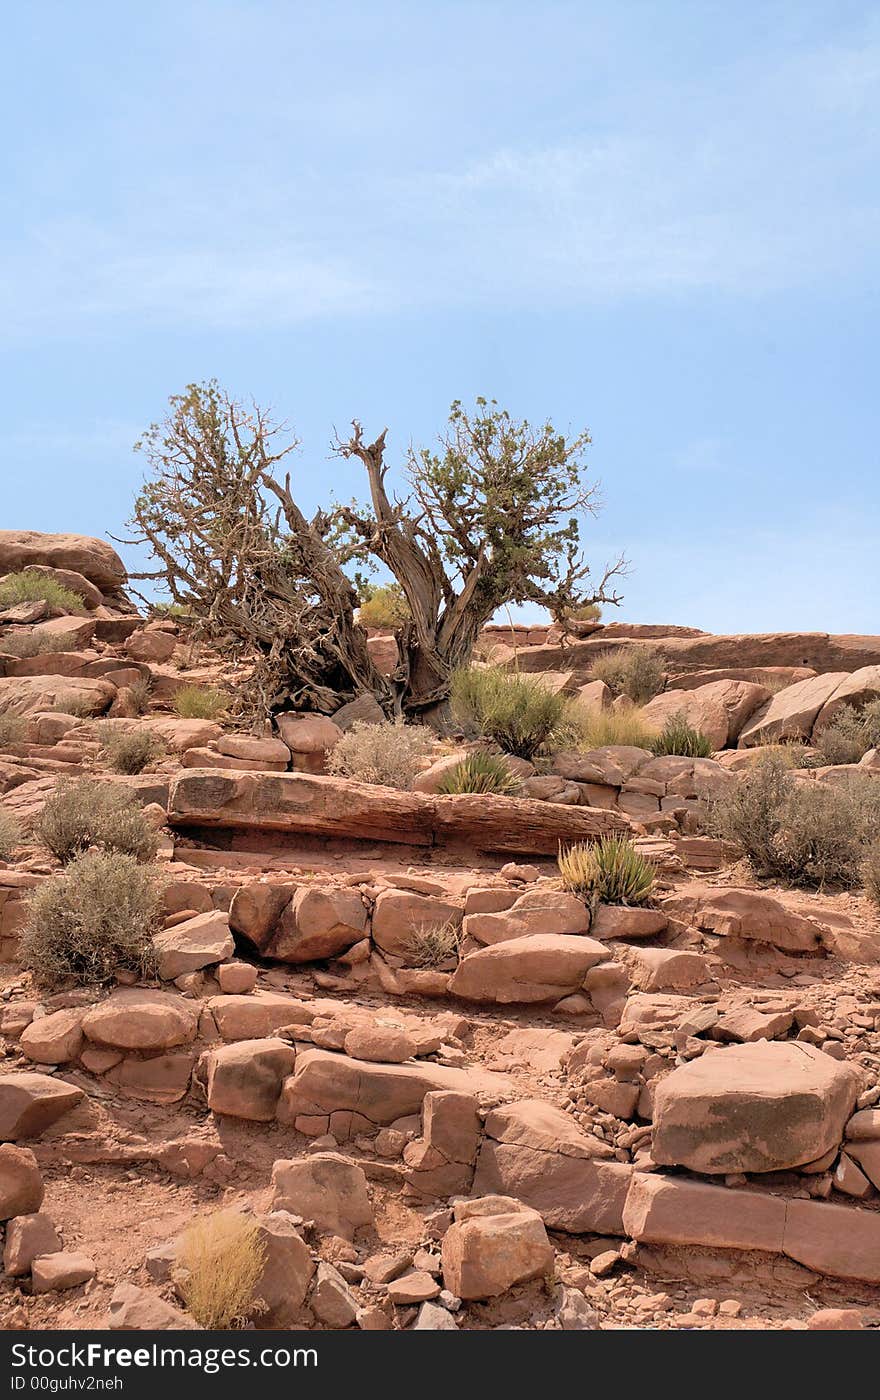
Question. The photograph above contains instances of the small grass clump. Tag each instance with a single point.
(98, 915)
(201, 702)
(10, 835)
(608, 871)
(434, 945)
(383, 605)
(86, 813)
(517, 712)
(220, 1261)
(32, 587)
(638, 672)
(386, 754)
(801, 831)
(480, 772)
(599, 728)
(141, 694)
(13, 729)
(133, 750)
(680, 738)
(23, 644)
(850, 734)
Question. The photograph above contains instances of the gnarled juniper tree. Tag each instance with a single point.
(491, 516)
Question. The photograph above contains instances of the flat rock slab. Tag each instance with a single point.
(761, 1107)
(325, 1082)
(303, 803)
(544, 967)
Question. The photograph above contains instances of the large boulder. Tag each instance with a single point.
(326, 1189)
(31, 1102)
(746, 914)
(791, 713)
(31, 695)
(719, 710)
(136, 1019)
(253, 1015)
(400, 914)
(281, 1289)
(21, 1182)
(856, 690)
(54, 1039)
(319, 922)
(543, 967)
(95, 559)
(534, 1152)
(196, 943)
(244, 1080)
(759, 1107)
(537, 911)
(485, 1255)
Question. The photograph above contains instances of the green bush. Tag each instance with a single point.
(32, 587)
(383, 605)
(97, 915)
(480, 772)
(679, 737)
(10, 835)
(799, 830)
(13, 729)
(387, 754)
(517, 712)
(608, 871)
(850, 734)
(201, 702)
(86, 813)
(132, 750)
(636, 671)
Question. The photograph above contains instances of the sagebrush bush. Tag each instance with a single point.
(25, 643)
(10, 835)
(201, 702)
(383, 605)
(133, 750)
(679, 737)
(850, 734)
(480, 772)
(386, 754)
(608, 871)
(98, 915)
(516, 711)
(587, 612)
(871, 872)
(599, 728)
(434, 945)
(76, 704)
(85, 813)
(636, 671)
(798, 830)
(31, 587)
(13, 729)
(141, 693)
(220, 1260)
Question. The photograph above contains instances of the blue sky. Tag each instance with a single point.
(658, 220)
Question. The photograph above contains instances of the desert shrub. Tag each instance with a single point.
(78, 705)
(10, 835)
(31, 587)
(132, 750)
(608, 871)
(33, 643)
(13, 729)
(587, 612)
(871, 872)
(97, 915)
(86, 813)
(220, 1260)
(141, 693)
(201, 702)
(598, 728)
(636, 671)
(679, 737)
(433, 945)
(803, 832)
(519, 713)
(387, 754)
(850, 734)
(480, 772)
(383, 605)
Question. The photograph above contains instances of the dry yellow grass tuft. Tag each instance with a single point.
(219, 1264)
